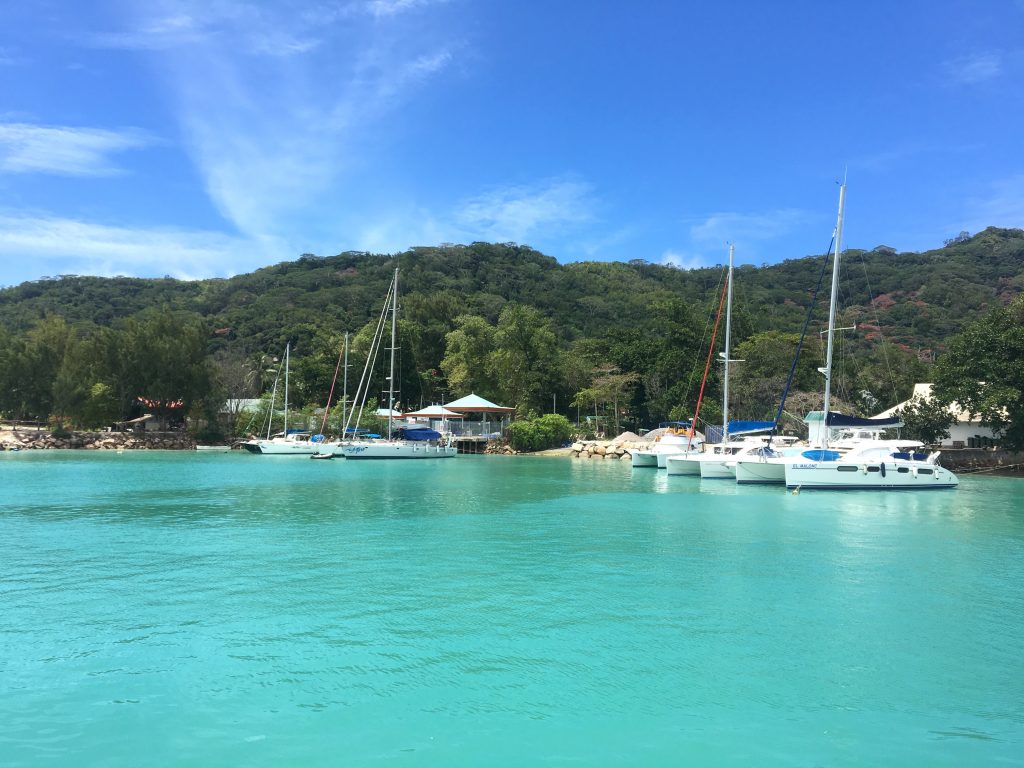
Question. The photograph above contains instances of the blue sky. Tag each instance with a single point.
(200, 138)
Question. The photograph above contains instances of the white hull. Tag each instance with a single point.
(283, 447)
(644, 459)
(892, 474)
(716, 469)
(751, 471)
(683, 464)
(394, 449)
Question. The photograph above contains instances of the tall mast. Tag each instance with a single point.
(827, 370)
(287, 347)
(394, 329)
(344, 394)
(728, 337)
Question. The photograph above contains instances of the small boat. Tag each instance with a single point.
(329, 455)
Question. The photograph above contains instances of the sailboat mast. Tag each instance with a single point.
(728, 338)
(827, 370)
(287, 348)
(394, 329)
(344, 391)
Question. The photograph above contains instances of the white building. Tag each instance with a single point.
(964, 433)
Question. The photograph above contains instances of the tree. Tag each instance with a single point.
(525, 360)
(467, 353)
(547, 431)
(756, 384)
(983, 372)
(926, 420)
(168, 362)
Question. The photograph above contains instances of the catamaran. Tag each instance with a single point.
(713, 460)
(871, 463)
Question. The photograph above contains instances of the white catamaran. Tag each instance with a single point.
(870, 463)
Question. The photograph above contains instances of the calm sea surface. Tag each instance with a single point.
(182, 609)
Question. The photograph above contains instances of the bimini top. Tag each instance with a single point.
(839, 420)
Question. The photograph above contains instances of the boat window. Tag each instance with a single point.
(872, 469)
(902, 470)
(846, 468)
(923, 471)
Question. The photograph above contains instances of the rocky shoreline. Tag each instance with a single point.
(31, 440)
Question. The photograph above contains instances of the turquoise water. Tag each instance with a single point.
(174, 609)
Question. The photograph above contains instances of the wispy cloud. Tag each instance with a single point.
(974, 68)
(707, 239)
(684, 260)
(69, 246)
(1001, 206)
(733, 227)
(8, 57)
(514, 213)
(277, 107)
(384, 8)
(64, 150)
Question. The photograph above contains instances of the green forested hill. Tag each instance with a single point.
(633, 318)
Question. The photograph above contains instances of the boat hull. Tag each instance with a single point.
(886, 475)
(682, 464)
(395, 450)
(714, 469)
(760, 472)
(644, 459)
(290, 448)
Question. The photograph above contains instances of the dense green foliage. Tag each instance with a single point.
(926, 420)
(537, 434)
(984, 372)
(89, 376)
(623, 342)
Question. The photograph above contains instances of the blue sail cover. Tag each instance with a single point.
(419, 433)
(837, 420)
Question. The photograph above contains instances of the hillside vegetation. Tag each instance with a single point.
(514, 324)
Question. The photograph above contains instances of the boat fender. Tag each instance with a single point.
(881, 468)
(863, 469)
(913, 471)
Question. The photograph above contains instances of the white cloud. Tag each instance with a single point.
(384, 8)
(279, 108)
(733, 227)
(974, 68)
(514, 213)
(68, 246)
(1001, 206)
(65, 150)
(683, 260)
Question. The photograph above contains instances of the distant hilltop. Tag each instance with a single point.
(915, 300)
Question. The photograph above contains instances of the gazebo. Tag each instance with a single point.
(473, 404)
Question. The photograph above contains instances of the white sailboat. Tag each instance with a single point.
(402, 442)
(713, 462)
(299, 443)
(869, 463)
